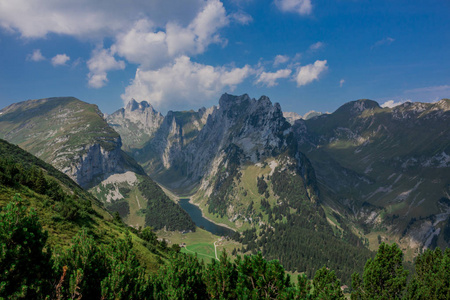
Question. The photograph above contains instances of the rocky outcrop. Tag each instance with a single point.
(136, 123)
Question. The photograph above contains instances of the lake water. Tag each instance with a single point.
(200, 221)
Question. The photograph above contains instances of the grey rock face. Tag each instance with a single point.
(136, 123)
(255, 126)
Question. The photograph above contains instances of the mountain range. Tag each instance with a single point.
(299, 189)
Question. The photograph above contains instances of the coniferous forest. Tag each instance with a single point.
(106, 259)
(31, 269)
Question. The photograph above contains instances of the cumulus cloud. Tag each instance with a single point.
(183, 81)
(144, 44)
(392, 103)
(60, 60)
(90, 19)
(36, 55)
(341, 82)
(280, 59)
(269, 79)
(302, 7)
(102, 61)
(311, 72)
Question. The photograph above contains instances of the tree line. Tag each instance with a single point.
(30, 269)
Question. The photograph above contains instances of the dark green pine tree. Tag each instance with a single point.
(261, 279)
(432, 278)
(181, 278)
(221, 278)
(326, 285)
(25, 262)
(384, 276)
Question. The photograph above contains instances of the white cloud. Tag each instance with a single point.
(90, 19)
(102, 61)
(392, 103)
(341, 82)
(143, 44)
(302, 7)
(60, 59)
(280, 59)
(36, 55)
(385, 41)
(311, 72)
(242, 18)
(183, 82)
(269, 79)
(316, 46)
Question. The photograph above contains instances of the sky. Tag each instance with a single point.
(184, 54)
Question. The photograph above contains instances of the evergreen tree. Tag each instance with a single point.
(181, 278)
(384, 276)
(326, 285)
(432, 278)
(221, 278)
(25, 262)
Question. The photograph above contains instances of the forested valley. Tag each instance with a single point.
(33, 267)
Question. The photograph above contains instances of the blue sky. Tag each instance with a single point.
(183, 54)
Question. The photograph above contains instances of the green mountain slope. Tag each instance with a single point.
(62, 206)
(74, 137)
(388, 168)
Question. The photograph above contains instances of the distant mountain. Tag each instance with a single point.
(311, 114)
(241, 164)
(388, 168)
(74, 137)
(136, 123)
(291, 117)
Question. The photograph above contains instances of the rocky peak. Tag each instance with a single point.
(291, 117)
(136, 123)
(357, 107)
(229, 102)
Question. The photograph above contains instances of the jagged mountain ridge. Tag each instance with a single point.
(136, 123)
(388, 167)
(246, 144)
(346, 149)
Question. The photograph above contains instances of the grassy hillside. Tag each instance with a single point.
(62, 206)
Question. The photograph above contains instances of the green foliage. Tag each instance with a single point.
(121, 207)
(25, 264)
(221, 278)
(148, 235)
(181, 278)
(91, 270)
(384, 276)
(432, 278)
(326, 285)
(69, 207)
(161, 212)
(261, 279)
(262, 185)
(299, 235)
